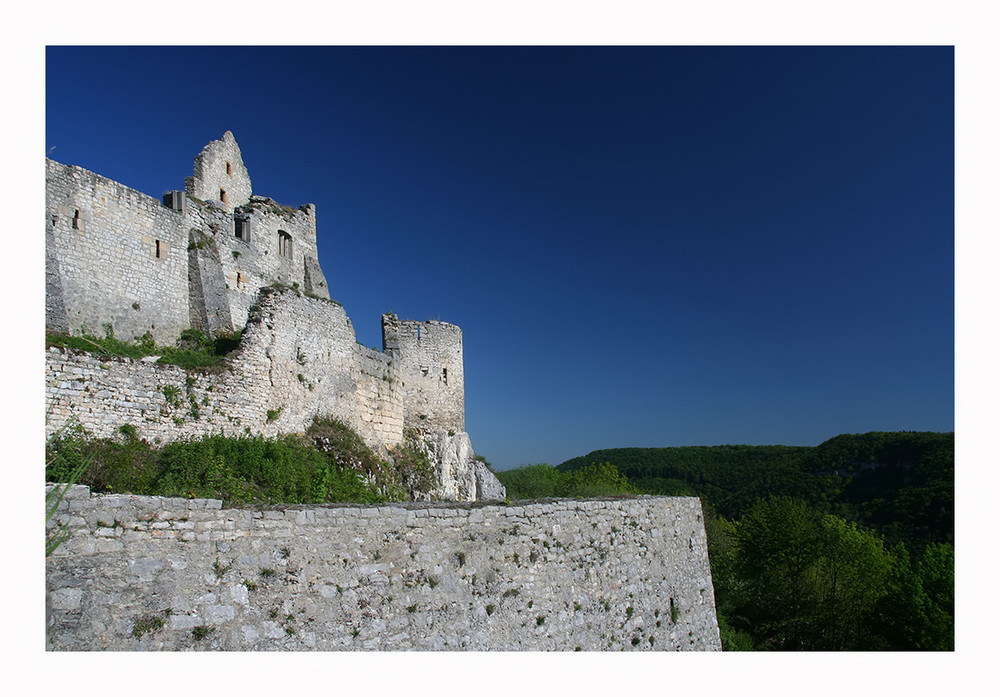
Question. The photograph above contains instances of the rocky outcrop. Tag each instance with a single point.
(461, 477)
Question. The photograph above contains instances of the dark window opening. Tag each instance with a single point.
(222, 195)
(239, 280)
(242, 227)
(444, 375)
(423, 370)
(157, 249)
(284, 244)
(76, 220)
(229, 168)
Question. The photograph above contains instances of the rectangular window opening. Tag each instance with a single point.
(76, 220)
(229, 168)
(242, 228)
(157, 249)
(222, 195)
(284, 244)
(444, 375)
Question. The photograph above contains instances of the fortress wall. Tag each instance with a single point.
(287, 337)
(120, 255)
(148, 573)
(430, 359)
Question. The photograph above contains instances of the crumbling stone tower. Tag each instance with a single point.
(428, 356)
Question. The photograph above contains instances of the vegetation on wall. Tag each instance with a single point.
(194, 349)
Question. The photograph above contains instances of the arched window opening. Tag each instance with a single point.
(284, 244)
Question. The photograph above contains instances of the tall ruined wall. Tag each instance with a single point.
(298, 359)
(147, 573)
(220, 175)
(114, 256)
(430, 359)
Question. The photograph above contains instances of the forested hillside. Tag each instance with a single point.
(901, 484)
(844, 546)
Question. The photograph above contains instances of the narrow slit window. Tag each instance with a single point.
(444, 375)
(229, 168)
(239, 280)
(222, 195)
(157, 249)
(284, 244)
(76, 220)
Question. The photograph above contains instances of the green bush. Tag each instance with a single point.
(240, 470)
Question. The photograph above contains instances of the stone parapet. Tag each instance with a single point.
(151, 573)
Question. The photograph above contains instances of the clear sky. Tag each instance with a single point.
(643, 246)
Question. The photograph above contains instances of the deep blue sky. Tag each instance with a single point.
(643, 246)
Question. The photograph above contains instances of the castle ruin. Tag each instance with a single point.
(218, 258)
(158, 573)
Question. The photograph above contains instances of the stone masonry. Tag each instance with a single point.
(146, 573)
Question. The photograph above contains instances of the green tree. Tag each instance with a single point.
(777, 546)
(917, 610)
(850, 575)
(597, 479)
(805, 580)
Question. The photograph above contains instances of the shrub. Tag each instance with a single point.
(239, 470)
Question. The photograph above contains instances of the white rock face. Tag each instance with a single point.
(460, 475)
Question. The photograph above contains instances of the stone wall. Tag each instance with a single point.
(219, 173)
(283, 375)
(120, 257)
(147, 573)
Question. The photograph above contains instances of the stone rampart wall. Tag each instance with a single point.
(148, 573)
(298, 359)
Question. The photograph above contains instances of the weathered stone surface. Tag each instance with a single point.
(553, 576)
